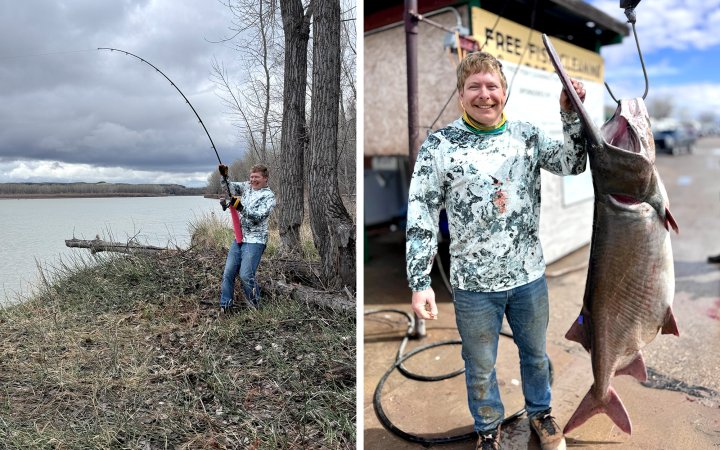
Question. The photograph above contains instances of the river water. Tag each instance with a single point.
(33, 231)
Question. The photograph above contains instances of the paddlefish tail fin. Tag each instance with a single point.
(590, 406)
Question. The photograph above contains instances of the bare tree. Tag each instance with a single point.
(294, 138)
(332, 227)
(347, 143)
(708, 117)
(347, 154)
(660, 108)
(255, 28)
(214, 186)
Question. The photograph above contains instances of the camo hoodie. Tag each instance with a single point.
(257, 206)
(490, 186)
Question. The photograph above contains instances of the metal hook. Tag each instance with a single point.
(630, 14)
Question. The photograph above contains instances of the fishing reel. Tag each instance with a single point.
(233, 203)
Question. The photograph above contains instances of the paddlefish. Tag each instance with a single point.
(630, 281)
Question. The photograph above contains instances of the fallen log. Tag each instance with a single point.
(98, 245)
(326, 299)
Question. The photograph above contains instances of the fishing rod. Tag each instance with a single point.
(234, 204)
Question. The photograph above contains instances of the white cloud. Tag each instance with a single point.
(53, 171)
(678, 24)
(690, 100)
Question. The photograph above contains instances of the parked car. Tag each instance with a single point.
(674, 140)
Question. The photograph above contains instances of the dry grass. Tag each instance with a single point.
(127, 352)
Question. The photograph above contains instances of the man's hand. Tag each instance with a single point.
(235, 203)
(423, 303)
(565, 103)
(223, 169)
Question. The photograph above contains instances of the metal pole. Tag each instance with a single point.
(411, 32)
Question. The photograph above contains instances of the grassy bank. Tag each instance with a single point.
(129, 352)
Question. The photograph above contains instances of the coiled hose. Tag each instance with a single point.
(400, 358)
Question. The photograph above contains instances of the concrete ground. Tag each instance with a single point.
(678, 409)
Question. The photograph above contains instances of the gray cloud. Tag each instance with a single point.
(63, 101)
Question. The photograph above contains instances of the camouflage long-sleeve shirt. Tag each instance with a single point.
(257, 206)
(490, 186)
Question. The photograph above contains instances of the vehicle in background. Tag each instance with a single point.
(674, 140)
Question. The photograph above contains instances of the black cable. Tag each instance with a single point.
(517, 68)
(398, 364)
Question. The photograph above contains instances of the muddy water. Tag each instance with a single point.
(33, 231)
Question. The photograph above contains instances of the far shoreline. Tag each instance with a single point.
(89, 195)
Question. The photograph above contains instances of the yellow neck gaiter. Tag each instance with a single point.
(482, 129)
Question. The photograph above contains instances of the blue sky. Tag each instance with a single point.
(680, 41)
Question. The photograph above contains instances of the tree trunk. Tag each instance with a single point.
(293, 140)
(332, 226)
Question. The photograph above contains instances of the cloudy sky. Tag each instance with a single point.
(681, 47)
(69, 112)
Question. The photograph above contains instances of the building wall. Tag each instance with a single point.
(563, 228)
(386, 122)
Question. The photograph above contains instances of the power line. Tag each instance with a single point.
(30, 55)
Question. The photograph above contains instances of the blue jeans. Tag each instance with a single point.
(245, 259)
(479, 318)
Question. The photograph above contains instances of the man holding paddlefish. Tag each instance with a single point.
(255, 201)
(485, 171)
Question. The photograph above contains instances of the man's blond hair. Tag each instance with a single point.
(261, 169)
(479, 62)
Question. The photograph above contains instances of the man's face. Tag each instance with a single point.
(483, 98)
(257, 180)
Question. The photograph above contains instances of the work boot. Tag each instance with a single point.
(489, 440)
(714, 259)
(550, 434)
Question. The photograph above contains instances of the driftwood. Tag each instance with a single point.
(98, 245)
(326, 299)
(280, 277)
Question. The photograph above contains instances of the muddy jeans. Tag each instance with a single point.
(479, 318)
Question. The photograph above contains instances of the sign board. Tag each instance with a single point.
(533, 86)
(514, 43)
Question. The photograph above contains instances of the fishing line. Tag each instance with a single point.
(234, 200)
(400, 358)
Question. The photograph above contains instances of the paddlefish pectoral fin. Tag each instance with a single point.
(636, 368)
(670, 325)
(590, 406)
(578, 332)
(670, 222)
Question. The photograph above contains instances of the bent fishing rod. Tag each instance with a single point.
(234, 201)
